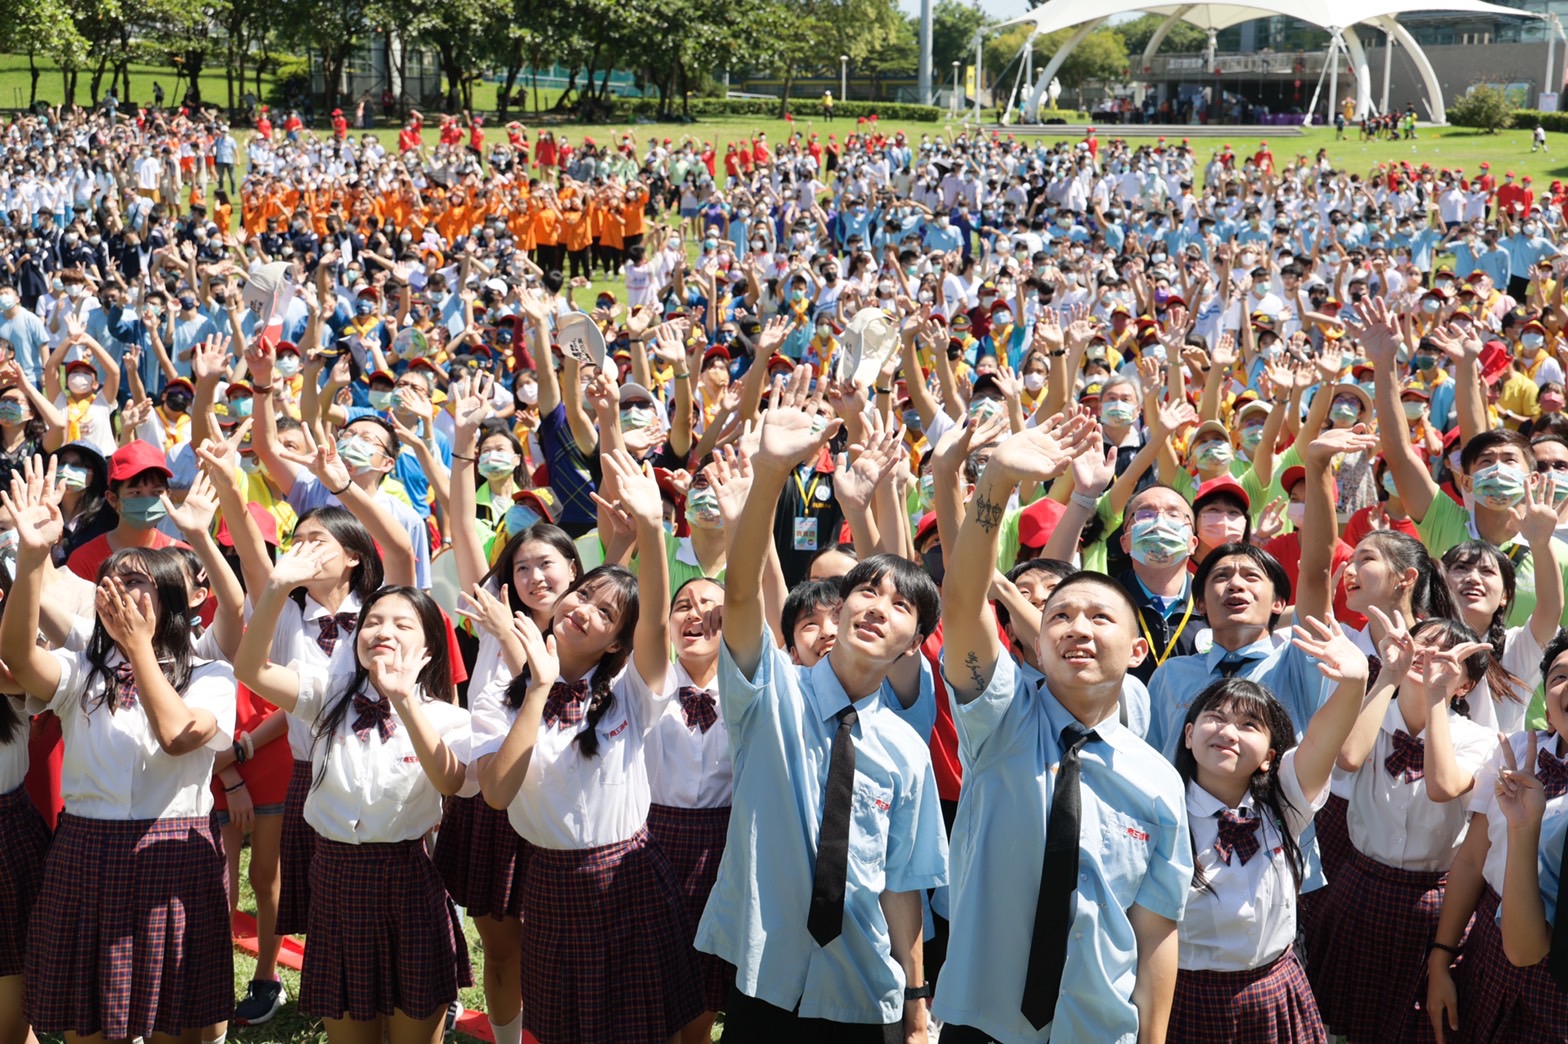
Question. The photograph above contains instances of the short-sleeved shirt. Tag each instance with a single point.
(86, 560)
(114, 767)
(689, 766)
(782, 721)
(1483, 800)
(407, 468)
(308, 493)
(1134, 848)
(1447, 524)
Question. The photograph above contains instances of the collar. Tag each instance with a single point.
(1158, 602)
(1394, 721)
(827, 696)
(1058, 716)
(1257, 650)
(685, 554)
(314, 610)
(823, 465)
(1203, 805)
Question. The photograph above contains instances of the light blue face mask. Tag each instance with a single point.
(636, 417)
(356, 453)
(520, 517)
(142, 512)
(702, 507)
(496, 463)
(287, 365)
(1388, 484)
(1118, 414)
(381, 400)
(1158, 542)
(11, 411)
(1498, 487)
(73, 477)
(242, 407)
(249, 464)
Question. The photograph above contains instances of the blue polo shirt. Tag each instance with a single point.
(781, 725)
(1134, 848)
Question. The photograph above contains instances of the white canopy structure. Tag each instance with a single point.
(1332, 15)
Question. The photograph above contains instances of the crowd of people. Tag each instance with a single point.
(1146, 625)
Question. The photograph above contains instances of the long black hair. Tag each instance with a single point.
(92, 502)
(435, 679)
(1248, 698)
(1451, 632)
(171, 636)
(1401, 551)
(491, 429)
(622, 586)
(1467, 554)
(558, 539)
(356, 540)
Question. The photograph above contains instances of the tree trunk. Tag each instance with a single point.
(789, 81)
(70, 88)
(571, 85)
(33, 72)
(97, 78)
(195, 61)
(511, 84)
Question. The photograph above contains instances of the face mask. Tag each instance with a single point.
(142, 512)
(1251, 437)
(11, 412)
(822, 329)
(759, 245)
(1424, 362)
(1559, 488)
(635, 418)
(1118, 414)
(1532, 342)
(1550, 403)
(177, 402)
(1034, 381)
(1214, 532)
(1344, 412)
(243, 407)
(7, 302)
(356, 453)
(496, 463)
(1430, 305)
(1388, 484)
(1296, 512)
(528, 393)
(363, 307)
(1498, 487)
(73, 477)
(1159, 542)
(381, 400)
(912, 419)
(932, 559)
(249, 464)
(1414, 410)
(1213, 454)
(702, 507)
(520, 517)
(287, 365)
(982, 410)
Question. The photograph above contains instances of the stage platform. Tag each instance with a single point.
(1168, 131)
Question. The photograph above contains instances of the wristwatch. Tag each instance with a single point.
(913, 993)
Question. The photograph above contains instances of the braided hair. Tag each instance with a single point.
(620, 588)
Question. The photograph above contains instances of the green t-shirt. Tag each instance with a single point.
(1093, 555)
(1447, 524)
(681, 560)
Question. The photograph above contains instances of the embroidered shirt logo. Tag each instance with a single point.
(1136, 834)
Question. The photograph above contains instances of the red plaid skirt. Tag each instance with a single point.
(606, 946)
(1334, 845)
(1499, 1003)
(1268, 1005)
(481, 859)
(383, 934)
(24, 842)
(130, 933)
(693, 841)
(1367, 962)
(295, 849)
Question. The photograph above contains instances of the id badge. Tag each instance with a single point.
(805, 534)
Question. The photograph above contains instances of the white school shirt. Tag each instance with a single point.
(294, 639)
(1246, 917)
(1394, 822)
(373, 790)
(569, 802)
(687, 767)
(1483, 799)
(13, 755)
(1522, 659)
(113, 767)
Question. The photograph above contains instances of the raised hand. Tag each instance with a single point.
(1325, 641)
(794, 428)
(492, 613)
(1044, 452)
(128, 617)
(729, 476)
(34, 509)
(1397, 649)
(1093, 471)
(603, 394)
(1520, 796)
(195, 513)
(544, 666)
(472, 409)
(667, 345)
(395, 673)
(1048, 336)
(210, 360)
(1334, 441)
(772, 335)
(1172, 417)
(1378, 332)
(1443, 670)
(1535, 515)
(301, 562)
(880, 451)
(639, 492)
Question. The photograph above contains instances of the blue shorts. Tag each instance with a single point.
(261, 810)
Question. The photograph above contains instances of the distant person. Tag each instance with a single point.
(827, 105)
(157, 95)
(1538, 138)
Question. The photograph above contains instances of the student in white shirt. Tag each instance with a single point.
(1251, 793)
(24, 841)
(601, 908)
(1414, 755)
(480, 857)
(691, 777)
(1487, 997)
(129, 936)
(386, 748)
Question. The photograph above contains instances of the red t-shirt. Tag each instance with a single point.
(1287, 549)
(944, 737)
(1361, 524)
(86, 560)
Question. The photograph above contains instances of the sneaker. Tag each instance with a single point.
(262, 1001)
(454, 1012)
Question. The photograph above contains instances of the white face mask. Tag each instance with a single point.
(80, 383)
(528, 393)
(1034, 381)
(1297, 513)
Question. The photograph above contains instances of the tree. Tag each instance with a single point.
(1483, 106)
(896, 54)
(1183, 37)
(330, 28)
(953, 27)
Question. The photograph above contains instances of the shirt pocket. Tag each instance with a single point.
(1125, 844)
(870, 809)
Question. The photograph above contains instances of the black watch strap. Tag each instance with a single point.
(913, 993)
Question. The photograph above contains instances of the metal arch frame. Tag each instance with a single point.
(1437, 110)
(1031, 106)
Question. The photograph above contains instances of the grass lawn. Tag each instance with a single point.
(15, 81)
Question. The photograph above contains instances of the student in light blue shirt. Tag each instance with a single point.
(1129, 878)
(1532, 876)
(865, 981)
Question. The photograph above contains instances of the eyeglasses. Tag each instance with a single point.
(1155, 514)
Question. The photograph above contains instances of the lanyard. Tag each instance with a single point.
(805, 494)
(1159, 657)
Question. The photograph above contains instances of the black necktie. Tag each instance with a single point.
(1053, 914)
(1557, 956)
(1232, 663)
(825, 921)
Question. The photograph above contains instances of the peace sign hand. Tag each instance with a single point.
(1397, 650)
(1520, 796)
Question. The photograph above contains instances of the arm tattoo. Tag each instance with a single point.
(972, 661)
(988, 513)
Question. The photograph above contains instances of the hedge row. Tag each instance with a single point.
(1555, 122)
(801, 109)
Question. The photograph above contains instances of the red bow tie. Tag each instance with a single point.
(567, 703)
(124, 688)
(331, 626)
(1553, 774)
(372, 714)
(1238, 834)
(1407, 761)
(699, 707)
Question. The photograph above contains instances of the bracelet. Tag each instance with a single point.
(1445, 948)
(1085, 501)
(884, 391)
(240, 756)
(264, 390)
(471, 460)
(250, 745)
(340, 492)
(914, 993)
(683, 376)
(230, 790)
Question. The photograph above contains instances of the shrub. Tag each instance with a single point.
(1554, 122)
(802, 109)
(1484, 107)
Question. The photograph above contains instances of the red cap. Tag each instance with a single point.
(926, 527)
(265, 521)
(1038, 521)
(541, 500)
(1292, 475)
(1221, 484)
(1494, 361)
(134, 458)
(81, 364)
(718, 351)
(373, 374)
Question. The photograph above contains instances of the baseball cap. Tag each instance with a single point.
(136, 457)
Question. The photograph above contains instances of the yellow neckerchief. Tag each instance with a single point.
(1160, 657)
(371, 321)
(176, 428)
(293, 388)
(1531, 368)
(75, 412)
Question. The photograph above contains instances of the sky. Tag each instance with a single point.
(998, 9)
